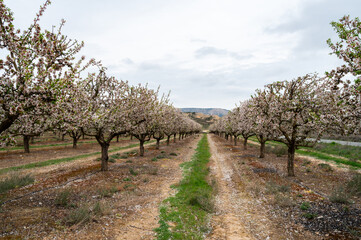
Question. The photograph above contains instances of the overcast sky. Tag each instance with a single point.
(208, 53)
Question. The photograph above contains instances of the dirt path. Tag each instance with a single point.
(227, 223)
(142, 223)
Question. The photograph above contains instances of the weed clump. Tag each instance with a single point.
(309, 216)
(63, 198)
(274, 188)
(133, 172)
(78, 216)
(305, 206)
(160, 156)
(354, 186)
(326, 167)
(15, 181)
(107, 192)
(278, 150)
(173, 154)
(101, 209)
(283, 200)
(339, 195)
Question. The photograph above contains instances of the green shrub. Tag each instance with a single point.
(15, 181)
(127, 179)
(160, 156)
(309, 215)
(133, 172)
(305, 206)
(62, 199)
(115, 156)
(173, 154)
(354, 186)
(79, 215)
(154, 159)
(128, 161)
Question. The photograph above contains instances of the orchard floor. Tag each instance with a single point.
(254, 198)
(13, 158)
(257, 200)
(128, 194)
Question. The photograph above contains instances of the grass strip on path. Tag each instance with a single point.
(185, 215)
(61, 160)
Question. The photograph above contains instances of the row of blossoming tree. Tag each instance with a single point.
(299, 111)
(44, 86)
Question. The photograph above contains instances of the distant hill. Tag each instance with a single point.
(208, 111)
(204, 119)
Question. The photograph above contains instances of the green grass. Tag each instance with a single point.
(188, 210)
(347, 151)
(325, 149)
(327, 157)
(62, 160)
(50, 145)
(43, 146)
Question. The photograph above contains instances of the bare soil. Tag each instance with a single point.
(257, 200)
(254, 197)
(130, 211)
(18, 157)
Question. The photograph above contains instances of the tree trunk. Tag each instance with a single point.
(245, 143)
(141, 148)
(118, 138)
(83, 136)
(131, 137)
(75, 141)
(291, 158)
(26, 144)
(62, 137)
(175, 137)
(262, 149)
(168, 139)
(179, 136)
(158, 141)
(105, 147)
(235, 141)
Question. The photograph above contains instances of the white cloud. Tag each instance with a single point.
(210, 53)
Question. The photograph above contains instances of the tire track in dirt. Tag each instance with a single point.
(141, 225)
(226, 223)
